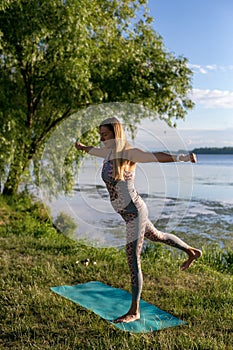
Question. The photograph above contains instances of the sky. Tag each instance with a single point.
(202, 31)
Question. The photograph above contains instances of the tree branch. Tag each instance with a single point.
(49, 127)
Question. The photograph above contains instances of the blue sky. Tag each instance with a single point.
(202, 31)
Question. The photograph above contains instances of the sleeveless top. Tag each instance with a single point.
(123, 195)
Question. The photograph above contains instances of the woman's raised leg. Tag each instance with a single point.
(155, 235)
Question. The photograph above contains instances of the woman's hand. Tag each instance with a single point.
(191, 157)
(80, 146)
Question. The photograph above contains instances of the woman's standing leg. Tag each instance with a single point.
(155, 235)
(135, 238)
(135, 228)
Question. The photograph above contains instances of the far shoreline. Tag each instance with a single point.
(213, 150)
(202, 150)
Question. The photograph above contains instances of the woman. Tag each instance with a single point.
(118, 174)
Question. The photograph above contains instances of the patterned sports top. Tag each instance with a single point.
(122, 192)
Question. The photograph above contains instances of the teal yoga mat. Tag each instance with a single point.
(109, 303)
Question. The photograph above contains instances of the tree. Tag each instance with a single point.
(58, 57)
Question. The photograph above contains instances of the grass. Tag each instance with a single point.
(35, 257)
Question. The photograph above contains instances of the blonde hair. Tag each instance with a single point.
(119, 153)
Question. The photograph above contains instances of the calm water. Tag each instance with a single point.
(193, 201)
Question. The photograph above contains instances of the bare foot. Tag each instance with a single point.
(193, 255)
(127, 318)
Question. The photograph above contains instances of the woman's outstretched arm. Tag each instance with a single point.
(94, 151)
(138, 156)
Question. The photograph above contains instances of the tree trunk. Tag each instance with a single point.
(12, 183)
(17, 167)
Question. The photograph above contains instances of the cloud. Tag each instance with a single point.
(157, 135)
(207, 138)
(213, 98)
(211, 67)
(197, 68)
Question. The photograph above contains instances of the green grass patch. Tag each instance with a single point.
(35, 257)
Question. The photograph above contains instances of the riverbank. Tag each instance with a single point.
(213, 150)
(35, 257)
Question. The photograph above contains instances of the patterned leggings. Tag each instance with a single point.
(139, 226)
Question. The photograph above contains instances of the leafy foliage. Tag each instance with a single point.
(60, 57)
